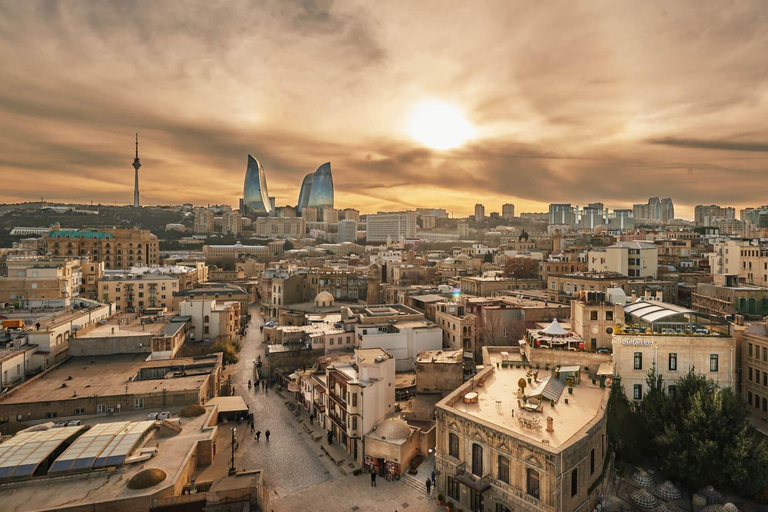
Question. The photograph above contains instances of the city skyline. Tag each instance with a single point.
(605, 106)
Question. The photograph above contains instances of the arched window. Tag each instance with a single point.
(453, 445)
(532, 483)
(503, 469)
(206, 319)
(477, 460)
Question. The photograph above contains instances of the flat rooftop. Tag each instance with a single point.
(104, 376)
(497, 399)
(440, 356)
(127, 324)
(95, 487)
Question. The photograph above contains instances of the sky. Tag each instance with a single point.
(569, 102)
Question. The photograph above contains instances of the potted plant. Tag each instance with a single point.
(551, 403)
(449, 507)
(440, 499)
(566, 401)
(529, 380)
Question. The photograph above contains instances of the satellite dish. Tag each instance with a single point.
(609, 330)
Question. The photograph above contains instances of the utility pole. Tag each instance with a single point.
(232, 465)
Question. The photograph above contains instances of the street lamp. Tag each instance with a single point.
(232, 465)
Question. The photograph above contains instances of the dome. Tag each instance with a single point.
(600, 229)
(712, 495)
(668, 491)
(393, 429)
(324, 299)
(146, 478)
(643, 499)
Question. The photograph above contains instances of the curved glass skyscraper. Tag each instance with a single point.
(255, 194)
(321, 190)
(306, 189)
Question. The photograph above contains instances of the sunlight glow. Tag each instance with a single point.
(438, 125)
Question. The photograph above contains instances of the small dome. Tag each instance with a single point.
(324, 299)
(600, 229)
(146, 478)
(393, 429)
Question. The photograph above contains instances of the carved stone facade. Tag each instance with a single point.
(489, 468)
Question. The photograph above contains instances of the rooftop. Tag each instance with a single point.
(497, 401)
(126, 324)
(108, 376)
(95, 487)
(440, 356)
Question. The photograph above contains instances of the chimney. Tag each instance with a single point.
(647, 294)
(659, 296)
(739, 319)
(550, 424)
(634, 296)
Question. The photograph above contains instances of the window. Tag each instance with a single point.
(503, 469)
(477, 460)
(50, 415)
(765, 353)
(79, 411)
(672, 390)
(673, 362)
(593, 315)
(574, 482)
(532, 483)
(453, 445)
(138, 403)
(638, 391)
(638, 360)
(592, 462)
(609, 316)
(452, 488)
(354, 400)
(765, 379)
(354, 423)
(765, 405)
(713, 363)
(749, 374)
(749, 398)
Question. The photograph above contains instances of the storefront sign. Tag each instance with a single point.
(637, 342)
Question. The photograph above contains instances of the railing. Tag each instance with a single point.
(336, 419)
(338, 399)
(474, 482)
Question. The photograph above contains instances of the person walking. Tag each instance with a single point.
(433, 478)
(258, 435)
(373, 478)
(429, 486)
(266, 434)
(252, 428)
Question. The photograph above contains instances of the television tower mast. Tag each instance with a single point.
(136, 165)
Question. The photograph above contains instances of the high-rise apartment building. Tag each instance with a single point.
(563, 214)
(710, 215)
(479, 212)
(347, 231)
(38, 282)
(657, 211)
(204, 222)
(428, 221)
(508, 211)
(352, 214)
(232, 223)
(593, 215)
(330, 216)
(394, 225)
(117, 248)
(309, 214)
(463, 228)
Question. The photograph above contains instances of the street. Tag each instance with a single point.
(291, 460)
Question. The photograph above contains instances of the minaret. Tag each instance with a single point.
(136, 165)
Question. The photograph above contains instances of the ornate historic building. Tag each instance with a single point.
(499, 452)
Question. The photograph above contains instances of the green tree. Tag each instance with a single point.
(288, 246)
(521, 268)
(488, 258)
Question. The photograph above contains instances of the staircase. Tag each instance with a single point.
(417, 483)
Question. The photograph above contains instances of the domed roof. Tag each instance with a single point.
(393, 429)
(324, 298)
(600, 229)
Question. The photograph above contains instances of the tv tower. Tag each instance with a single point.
(136, 165)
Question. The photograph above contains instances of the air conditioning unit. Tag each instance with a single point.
(111, 409)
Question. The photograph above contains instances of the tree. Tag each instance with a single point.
(488, 258)
(701, 434)
(521, 268)
(288, 246)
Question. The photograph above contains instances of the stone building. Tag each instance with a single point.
(493, 454)
(754, 373)
(117, 248)
(439, 370)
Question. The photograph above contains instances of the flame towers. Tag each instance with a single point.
(255, 194)
(317, 189)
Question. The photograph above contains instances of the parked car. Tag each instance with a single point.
(152, 416)
(74, 423)
(603, 350)
(60, 424)
(163, 416)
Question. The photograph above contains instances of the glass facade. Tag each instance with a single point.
(321, 190)
(255, 194)
(306, 189)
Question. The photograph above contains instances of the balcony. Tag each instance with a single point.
(337, 420)
(318, 406)
(338, 399)
(472, 481)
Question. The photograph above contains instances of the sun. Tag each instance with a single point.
(439, 125)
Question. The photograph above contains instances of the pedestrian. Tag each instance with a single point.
(373, 478)
(252, 428)
(266, 434)
(266, 390)
(330, 437)
(429, 486)
(433, 478)
(258, 435)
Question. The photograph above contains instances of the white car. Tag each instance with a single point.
(152, 416)
(163, 416)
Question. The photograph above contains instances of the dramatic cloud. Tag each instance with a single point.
(611, 101)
